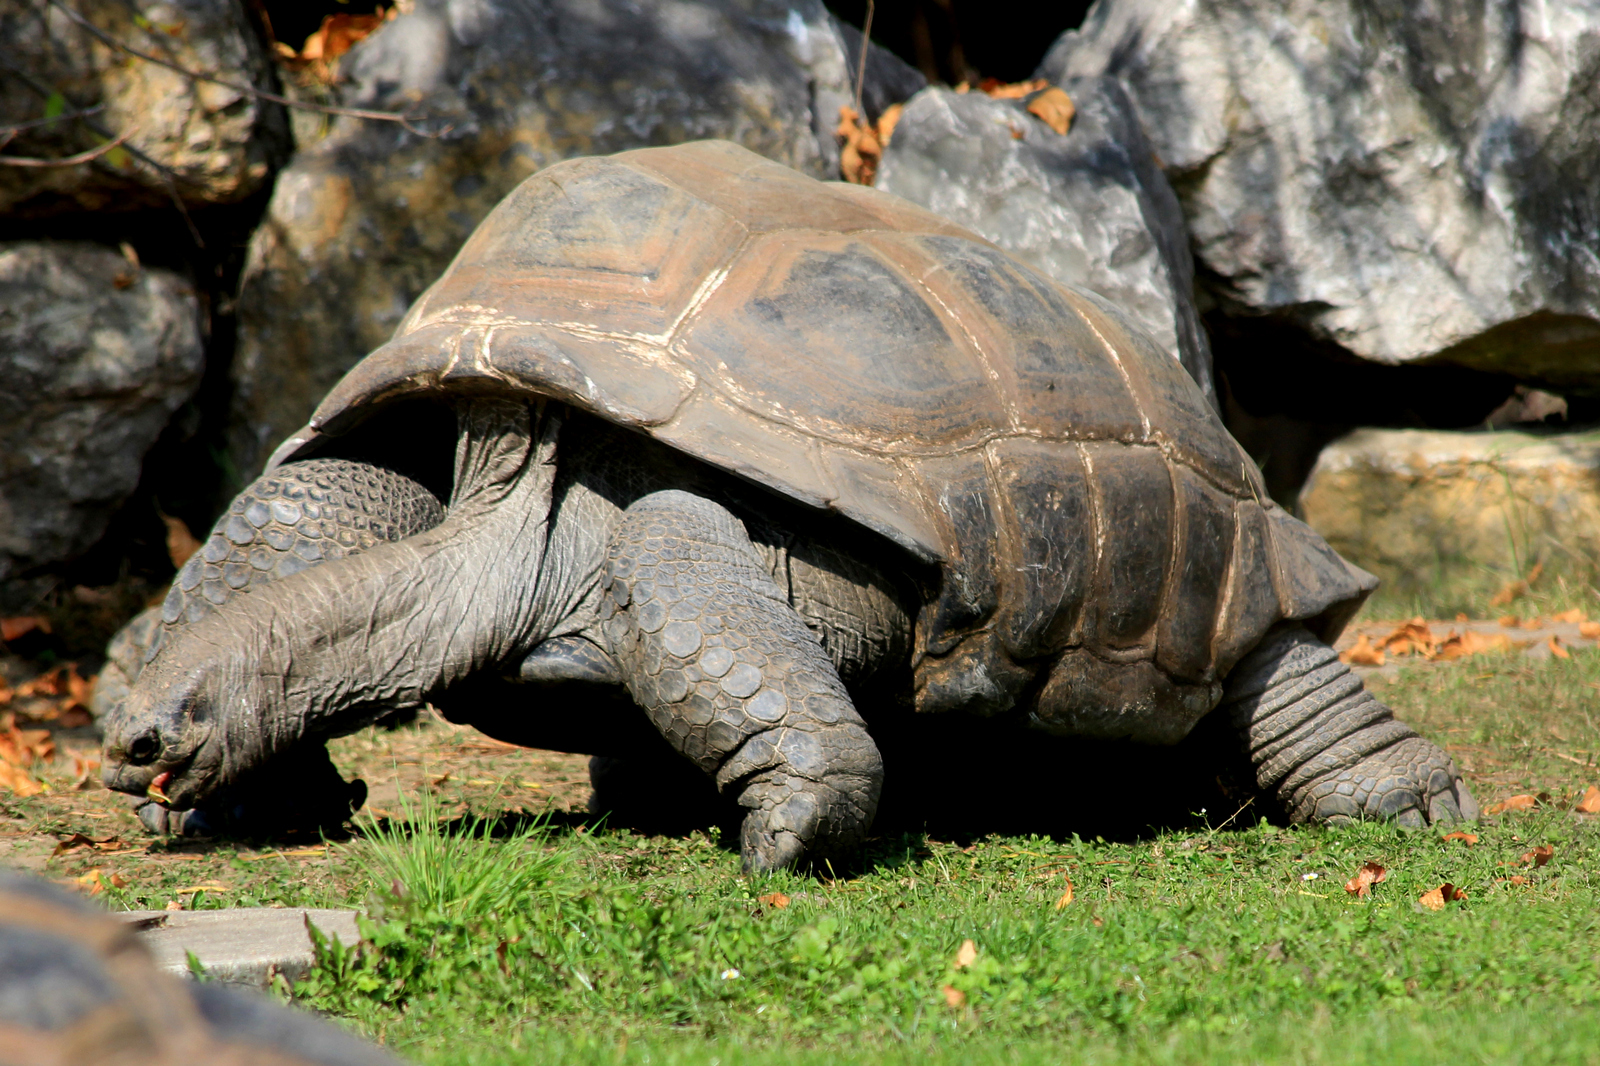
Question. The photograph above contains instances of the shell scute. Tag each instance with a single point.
(1205, 526)
(601, 247)
(1134, 515)
(1050, 546)
(882, 369)
(767, 197)
(1056, 376)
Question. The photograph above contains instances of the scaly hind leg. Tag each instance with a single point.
(732, 677)
(1327, 748)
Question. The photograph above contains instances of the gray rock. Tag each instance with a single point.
(1408, 181)
(1437, 513)
(92, 372)
(245, 946)
(1090, 208)
(362, 221)
(202, 142)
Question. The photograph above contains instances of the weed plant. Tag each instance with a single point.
(1213, 940)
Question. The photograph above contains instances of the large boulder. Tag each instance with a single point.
(1409, 182)
(95, 356)
(199, 141)
(362, 221)
(1437, 513)
(1089, 208)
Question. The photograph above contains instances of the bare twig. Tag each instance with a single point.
(248, 90)
(169, 177)
(861, 66)
(67, 116)
(66, 161)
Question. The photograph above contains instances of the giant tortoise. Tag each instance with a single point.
(688, 442)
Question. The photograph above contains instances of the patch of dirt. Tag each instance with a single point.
(77, 832)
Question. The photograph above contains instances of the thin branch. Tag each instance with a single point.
(248, 90)
(41, 89)
(66, 161)
(169, 177)
(861, 67)
(65, 117)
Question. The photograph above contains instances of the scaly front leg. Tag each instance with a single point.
(729, 673)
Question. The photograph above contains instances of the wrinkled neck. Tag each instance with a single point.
(333, 647)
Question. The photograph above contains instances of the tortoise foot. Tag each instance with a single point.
(1328, 749)
(1412, 782)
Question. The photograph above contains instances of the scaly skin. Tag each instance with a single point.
(1327, 748)
(725, 668)
(296, 517)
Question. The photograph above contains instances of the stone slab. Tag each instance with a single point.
(1435, 508)
(243, 947)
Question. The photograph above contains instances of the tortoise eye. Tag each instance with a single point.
(144, 749)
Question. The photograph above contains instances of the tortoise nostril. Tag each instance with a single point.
(144, 749)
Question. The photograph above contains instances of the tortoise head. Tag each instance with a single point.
(168, 738)
(196, 717)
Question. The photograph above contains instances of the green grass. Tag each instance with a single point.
(1214, 945)
(1231, 945)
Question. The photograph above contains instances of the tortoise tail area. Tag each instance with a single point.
(1121, 587)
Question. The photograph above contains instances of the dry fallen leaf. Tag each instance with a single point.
(1054, 108)
(12, 628)
(1589, 803)
(1517, 588)
(888, 121)
(81, 840)
(1589, 630)
(1362, 653)
(1410, 637)
(336, 36)
(24, 747)
(85, 772)
(19, 781)
(966, 955)
(996, 89)
(776, 900)
(1460, 645)
(1515, 879)
(96, 881)
(954, 997)
(860, 151)
(208, 886)
(180, 542)
(1510, 621)
(1539, 856)
(1065, 897)
(1437, 898)
(1361, 884)
(1556, 649)
(1574, 615)
(1515, 803)
(1468, 839)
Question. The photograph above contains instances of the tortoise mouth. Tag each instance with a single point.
(168, 784)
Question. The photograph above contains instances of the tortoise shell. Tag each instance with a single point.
(79, 988)
(1090, 516)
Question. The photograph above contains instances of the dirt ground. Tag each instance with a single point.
(56, 819)
(74, 831)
